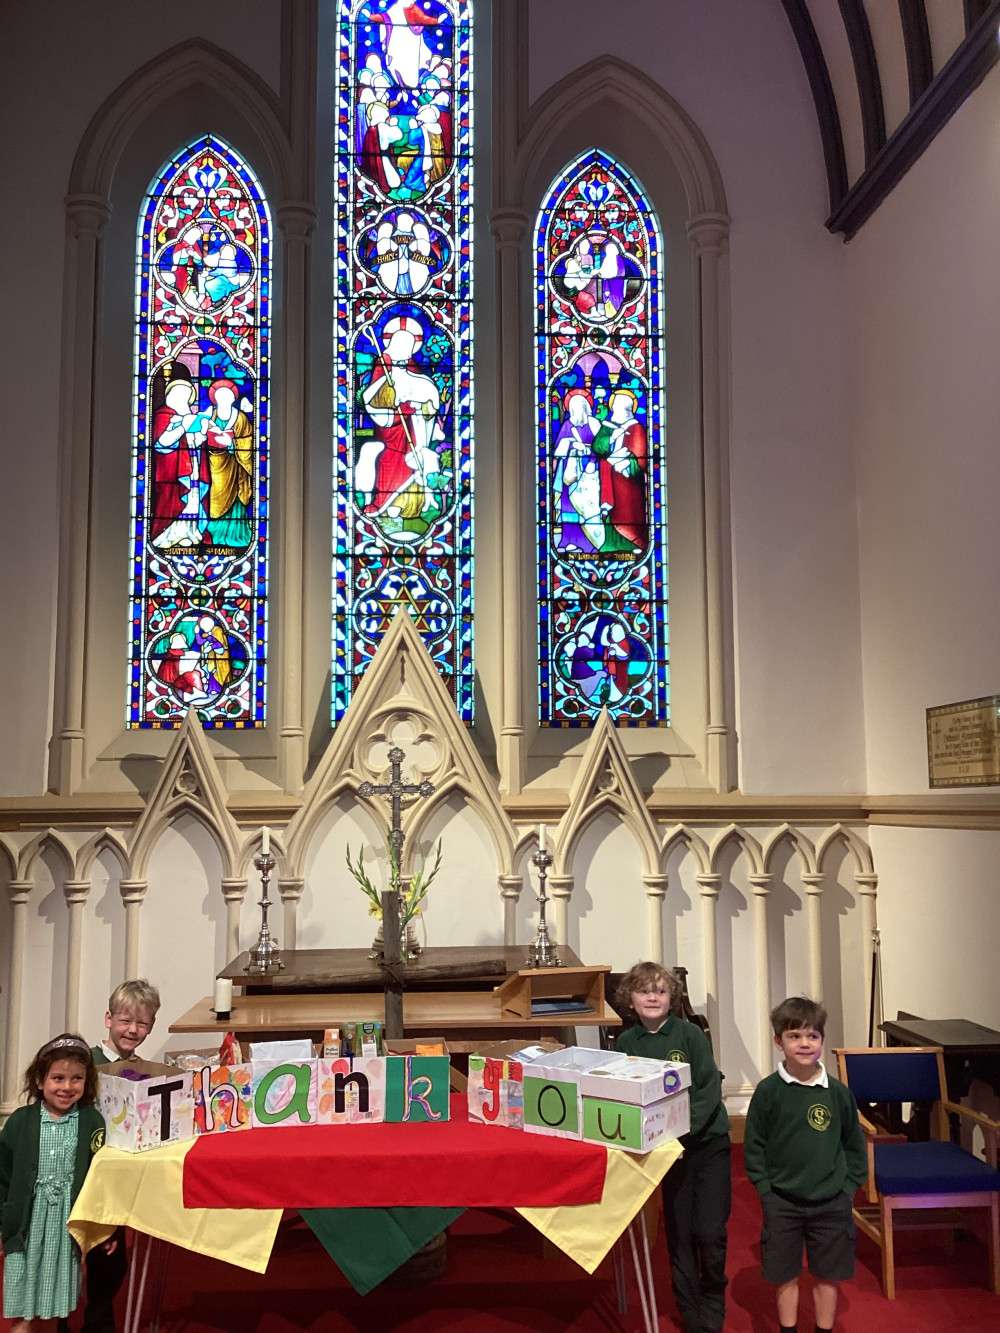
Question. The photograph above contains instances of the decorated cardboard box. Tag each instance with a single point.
(284, 1092)
(417, 1088)
(633, 1126)
(629, 1078)
(223, 1098)
(495, 1088)
(145, 1104)
(552, 1102)
(351, 1091)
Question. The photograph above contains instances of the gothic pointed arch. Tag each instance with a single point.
(610, 108)
(169, 77)
(190, 783)
(606, 783)
(403, 688)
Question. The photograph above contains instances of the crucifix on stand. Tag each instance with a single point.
(393, 963)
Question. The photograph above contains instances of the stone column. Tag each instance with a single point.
(290, 893)
(867, 890)
(813, 885)
(709, 234)
(132, 891)
(18, 890)
(709, 886)
(761, 885)
(75, 892)
(559, 889)
(233, 891)
(86, 218)
(296, 220)
(510, 892)
(509, 226)
(656, 891)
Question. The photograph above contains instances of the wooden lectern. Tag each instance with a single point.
(545, 992)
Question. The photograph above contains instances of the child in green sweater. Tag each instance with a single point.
(805, 1153)
(697, 1190)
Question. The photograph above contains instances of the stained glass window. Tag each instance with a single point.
(602, 505)
(198, 625)
(403, 337)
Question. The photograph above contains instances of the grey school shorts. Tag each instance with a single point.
(825, 1229)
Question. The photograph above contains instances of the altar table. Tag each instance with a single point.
(582, 1196)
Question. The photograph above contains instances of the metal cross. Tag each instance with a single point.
(396, 788)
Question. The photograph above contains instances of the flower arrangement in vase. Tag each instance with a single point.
(411, 896)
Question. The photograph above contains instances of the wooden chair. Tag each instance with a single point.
(906, 1179)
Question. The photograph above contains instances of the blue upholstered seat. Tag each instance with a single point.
(920, 1180)
(931, 1168)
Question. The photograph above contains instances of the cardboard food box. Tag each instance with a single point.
(145, 1104)
(635, 1127)
(552, 1102)
(496, 1080)
(630, 1078)
(284, 1092)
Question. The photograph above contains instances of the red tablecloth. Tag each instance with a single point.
(458, 1164)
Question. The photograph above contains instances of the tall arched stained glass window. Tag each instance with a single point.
(403, 338)
(602, 507)
(198, 631)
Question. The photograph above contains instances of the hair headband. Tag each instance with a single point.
(64, 1043)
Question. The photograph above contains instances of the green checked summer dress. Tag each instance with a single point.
(43, 1280)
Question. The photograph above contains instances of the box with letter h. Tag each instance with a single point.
(145, 1104)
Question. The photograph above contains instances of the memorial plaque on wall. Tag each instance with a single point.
(963, 743)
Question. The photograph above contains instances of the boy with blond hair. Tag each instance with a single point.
(132, 1009)
(805, 1153)
(697, 1190)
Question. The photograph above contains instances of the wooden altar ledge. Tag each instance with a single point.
(466, 1018)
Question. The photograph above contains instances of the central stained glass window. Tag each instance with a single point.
(602, 505)
(403, 337)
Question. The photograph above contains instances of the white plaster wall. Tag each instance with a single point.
(939, 916)
(793, 485)
(926, 317)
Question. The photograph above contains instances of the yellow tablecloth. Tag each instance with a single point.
(587, 1231)
(145, 1191)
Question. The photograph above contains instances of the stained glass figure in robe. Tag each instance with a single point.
(199, 521)
(602, 483)
(403, 537)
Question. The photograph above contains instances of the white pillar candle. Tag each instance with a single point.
(265, 842)
(542, 837)
(223, 995)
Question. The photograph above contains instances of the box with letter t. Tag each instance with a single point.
(144, 1104)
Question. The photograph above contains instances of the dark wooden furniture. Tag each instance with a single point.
(333, 971)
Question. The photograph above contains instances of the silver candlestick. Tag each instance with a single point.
(542, 950)
(265, 956)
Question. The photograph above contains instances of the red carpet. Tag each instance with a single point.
(500, 1278)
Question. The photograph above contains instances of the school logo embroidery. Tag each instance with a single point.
(818, 1116)
(97, 1140)
(677, 1056)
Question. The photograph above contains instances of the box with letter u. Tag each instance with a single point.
(578, 1093)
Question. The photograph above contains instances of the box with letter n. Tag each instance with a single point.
(635, 1104)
